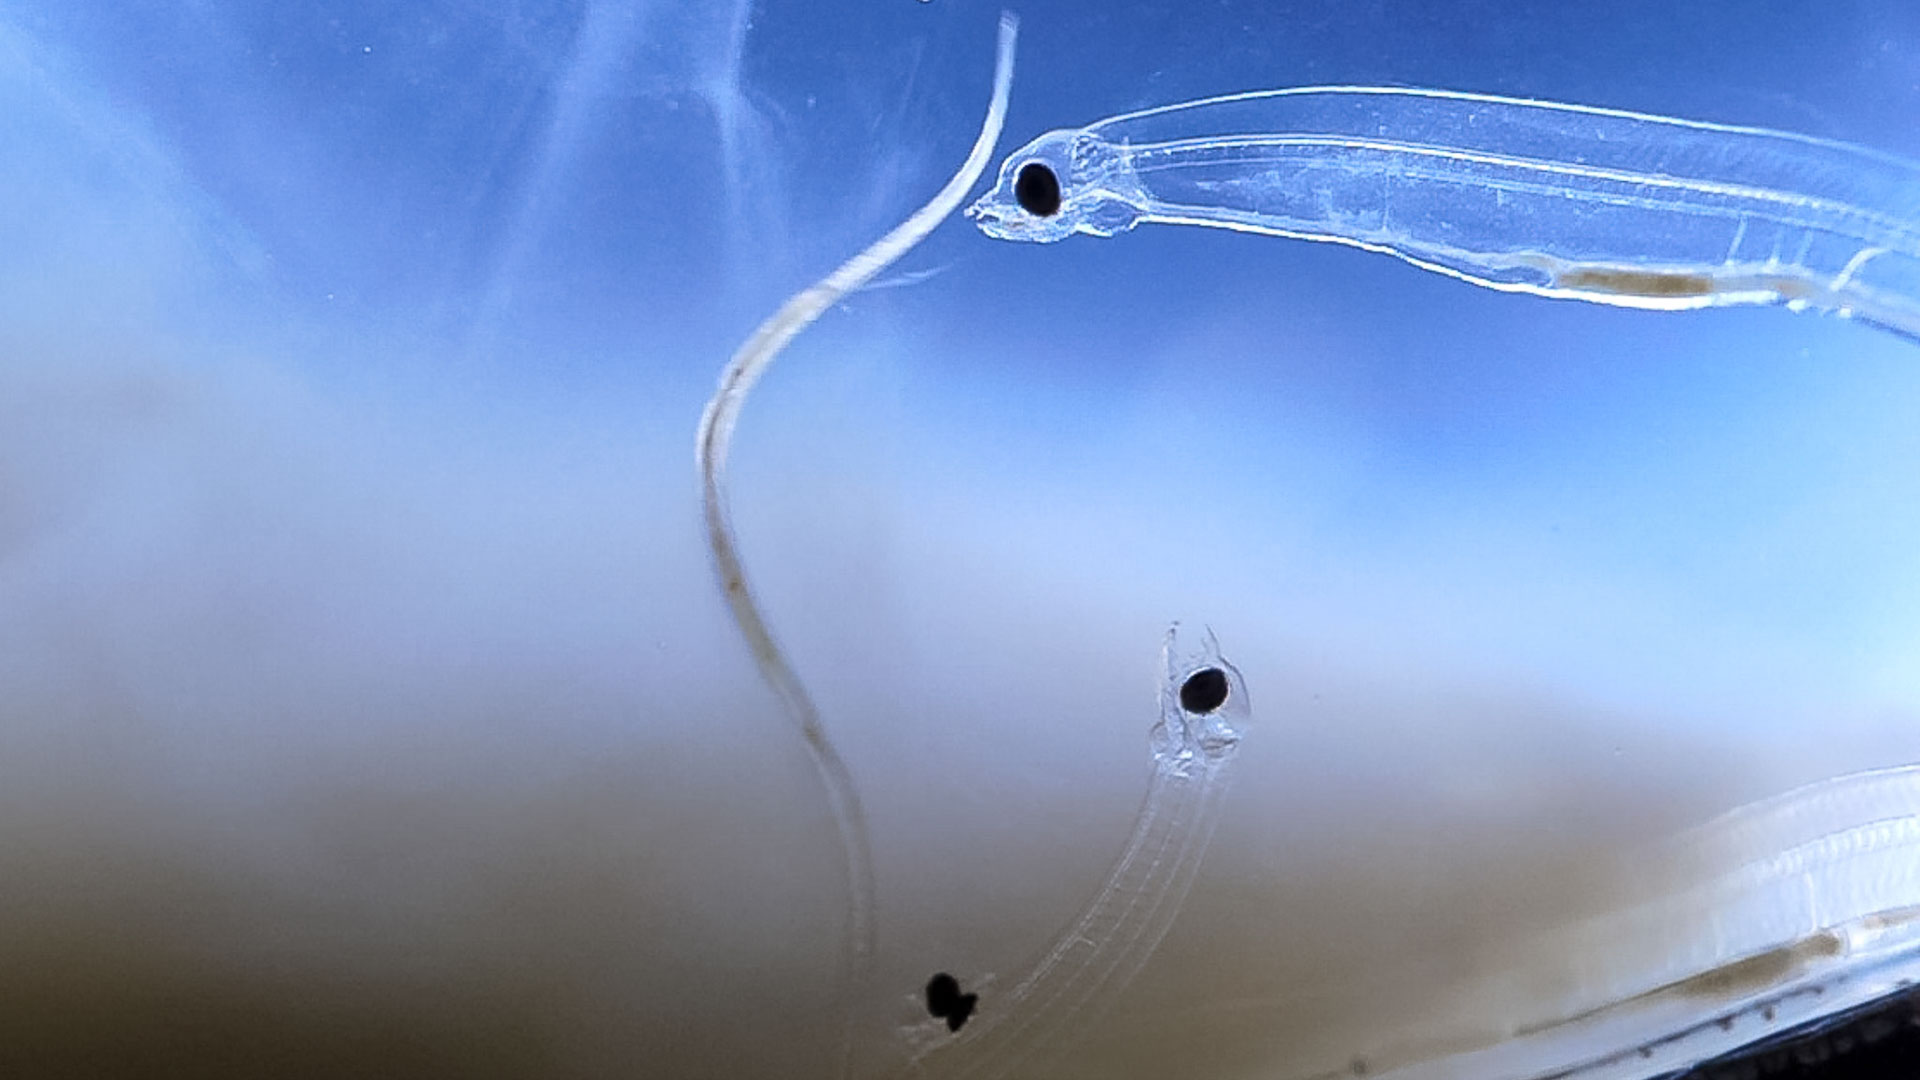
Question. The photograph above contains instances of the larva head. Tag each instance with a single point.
(1203, 703)
(1058, 184)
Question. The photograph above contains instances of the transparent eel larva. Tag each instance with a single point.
(1557, 200)
(1773, 915)
(1203, 705)
(710, 456)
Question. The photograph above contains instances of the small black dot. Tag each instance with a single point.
(1204, 691)
(1037, 190)
(944, 1000)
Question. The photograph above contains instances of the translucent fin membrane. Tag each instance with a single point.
(1523, 196)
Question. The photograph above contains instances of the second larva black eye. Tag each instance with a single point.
(1037, 190)
(946, 1002)
(1204, 691)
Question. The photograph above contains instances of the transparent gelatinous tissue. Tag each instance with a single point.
(1773, 915)
(1527, 196)
(1783, 912)
(1777, 914)
(1204, 708)
(364, 686)
(713, 441)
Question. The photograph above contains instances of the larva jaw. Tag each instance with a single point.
(1004, 212)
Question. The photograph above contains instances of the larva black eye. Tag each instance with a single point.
(946, 1002)
(1204, 691)
(1037, 190)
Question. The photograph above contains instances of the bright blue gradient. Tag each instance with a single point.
(356, 638)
